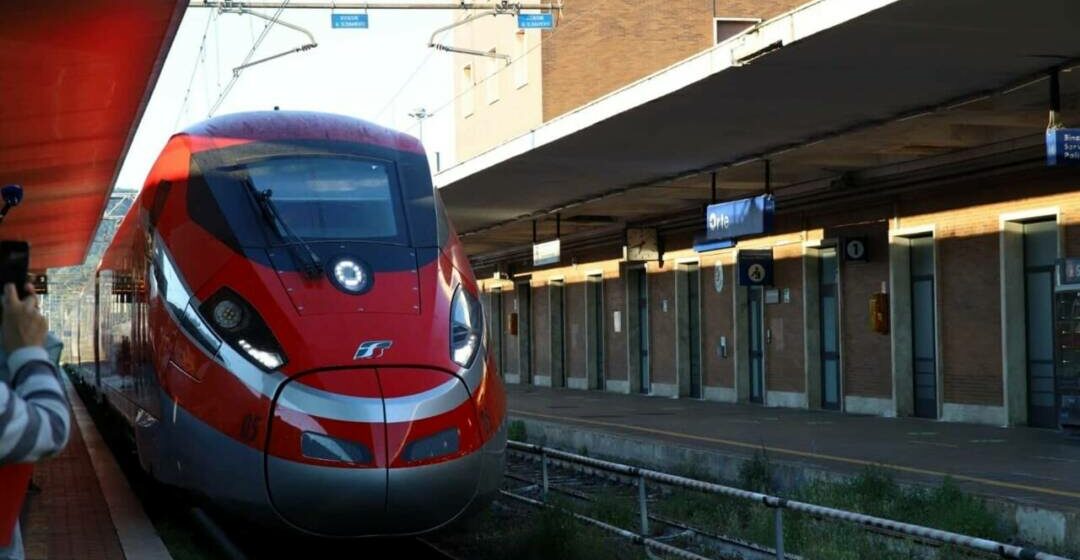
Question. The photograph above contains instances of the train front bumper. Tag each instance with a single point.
(348, 455)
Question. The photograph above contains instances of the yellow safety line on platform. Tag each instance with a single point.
(860, 462)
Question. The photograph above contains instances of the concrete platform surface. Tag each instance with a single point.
(1032, 467)
(86, 510)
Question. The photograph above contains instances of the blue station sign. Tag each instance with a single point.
(740, 218)
(536, 21)
(756, 267)
(349, 21)
(1062, 146)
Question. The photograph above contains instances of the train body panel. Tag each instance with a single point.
(290, 326)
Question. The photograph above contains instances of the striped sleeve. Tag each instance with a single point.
(34, 416)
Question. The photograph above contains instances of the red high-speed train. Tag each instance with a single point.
(290, 325)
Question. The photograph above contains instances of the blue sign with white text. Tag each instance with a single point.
(1062, 146)
(536, 21)
(739, 218)
(756, 268)
(349, 21)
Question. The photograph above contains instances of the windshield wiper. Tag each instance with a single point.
(308, 261)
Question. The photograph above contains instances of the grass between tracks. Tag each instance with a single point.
(872, 492)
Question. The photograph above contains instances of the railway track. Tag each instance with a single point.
(599, 496)
(590, 489)
(235, 542)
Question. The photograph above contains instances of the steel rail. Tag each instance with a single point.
(945, 537)
(629, 535)
(748, 549)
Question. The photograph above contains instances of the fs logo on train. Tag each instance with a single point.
(372, 349)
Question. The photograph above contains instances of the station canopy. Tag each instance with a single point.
(835, 88)
(76, 79)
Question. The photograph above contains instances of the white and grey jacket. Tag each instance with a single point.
(35, 420)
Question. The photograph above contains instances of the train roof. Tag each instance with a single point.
(302, 125)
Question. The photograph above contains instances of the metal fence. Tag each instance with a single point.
(778, 505)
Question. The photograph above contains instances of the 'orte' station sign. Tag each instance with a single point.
(740, 218)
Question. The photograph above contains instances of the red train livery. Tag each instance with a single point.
(288, 322)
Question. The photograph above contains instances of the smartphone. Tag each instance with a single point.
(14, 263)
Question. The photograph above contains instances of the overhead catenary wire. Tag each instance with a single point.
(194, 70)
(416, 71)
(217, 52)
(247, 58)
(205, 75)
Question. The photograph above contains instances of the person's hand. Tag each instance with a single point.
(23, 324)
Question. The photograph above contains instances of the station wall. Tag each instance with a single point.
(978, 340)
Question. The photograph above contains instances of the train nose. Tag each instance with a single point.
(433, 443)
(371, 452)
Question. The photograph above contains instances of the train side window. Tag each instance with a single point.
(158, 204)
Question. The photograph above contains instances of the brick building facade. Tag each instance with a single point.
(966, 221)
(597, 47)
(946, 246)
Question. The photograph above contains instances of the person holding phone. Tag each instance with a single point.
(35, 419)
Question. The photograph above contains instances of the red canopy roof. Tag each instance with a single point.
(76, 79)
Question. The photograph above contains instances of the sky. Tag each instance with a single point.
(379, 74)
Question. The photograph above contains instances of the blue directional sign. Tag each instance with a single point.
(349, 21)
(536, 21)
(739, 218)
(1062, 146)
(756, 268)
(703, 244)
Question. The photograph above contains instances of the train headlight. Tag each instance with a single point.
(267, 358)
(240, 325)
(350, 276)
(466, 327)
(228, 314)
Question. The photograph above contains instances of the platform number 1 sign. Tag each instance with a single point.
(855, 249)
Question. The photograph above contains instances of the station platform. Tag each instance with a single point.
(1032, 468)
(85, 509)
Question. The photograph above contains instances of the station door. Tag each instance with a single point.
(558, 340)
(595, 307)
(524, 303)
(830, 330)
(756, 337)
(1040, 252)
(640, 324)
(923, 330)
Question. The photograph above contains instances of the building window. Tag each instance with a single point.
(726, 28)
(521, 64)
(467, 84)
(492, 82)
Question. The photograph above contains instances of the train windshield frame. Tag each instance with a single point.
(332, 197)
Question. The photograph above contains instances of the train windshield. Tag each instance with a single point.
(332, 198)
